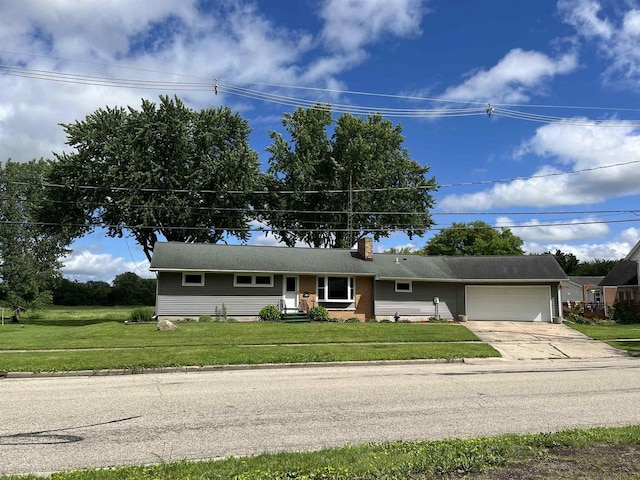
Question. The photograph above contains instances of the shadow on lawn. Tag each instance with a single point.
(44, 322)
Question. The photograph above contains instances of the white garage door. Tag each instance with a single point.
(525, 304)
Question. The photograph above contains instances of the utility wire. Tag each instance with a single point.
(69, 78)
(431, 213)
(333, 191)
(327, 90)
(268, 229)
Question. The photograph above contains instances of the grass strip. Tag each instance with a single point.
(62, 334)
(389, 461)
(156, 357)
(609, 332)
(628, 346)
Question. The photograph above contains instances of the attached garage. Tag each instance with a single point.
(530, 303)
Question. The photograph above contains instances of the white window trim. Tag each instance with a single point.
(253, 283)
(350, 292)
(191, 284)
(404, 291)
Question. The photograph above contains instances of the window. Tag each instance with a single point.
(243, 280)
(247, 280)
(265, 280)
(404, 286)
(192, 279)
(336, 289)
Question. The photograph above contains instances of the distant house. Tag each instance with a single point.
(621, 283)
(584, 292)
(195, 279)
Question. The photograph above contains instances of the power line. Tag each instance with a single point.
(99, 64)
(103, 81)
(350, 108)
(545, 175)
(432, 213)
(332, 191)
(70, 78)
(331, 91)
(273, 229)
(584, 122)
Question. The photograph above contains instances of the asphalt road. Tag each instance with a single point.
(51, 424)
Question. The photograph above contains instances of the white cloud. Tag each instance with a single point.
(352, 24)
(584, 16)
(410, 246)
(616, 249)
(573, 230)
(234, 41)
(513, 78)
(84, 265)
(631, 23)
(616, 38)
(574, 147)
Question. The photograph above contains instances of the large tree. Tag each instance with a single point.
(567, 261)
(573, 266)
(164, 170)
(29, 249)
(473, 238)
(329, 191)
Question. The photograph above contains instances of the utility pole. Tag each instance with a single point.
(350, 213)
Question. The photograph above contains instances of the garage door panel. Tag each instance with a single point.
(515, 303)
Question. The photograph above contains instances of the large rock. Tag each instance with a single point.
(166, 325)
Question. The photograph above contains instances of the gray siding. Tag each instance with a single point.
(419, 302)
(177, 300)
(218, 284)
(194, 306)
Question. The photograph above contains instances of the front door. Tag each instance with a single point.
(291, 292)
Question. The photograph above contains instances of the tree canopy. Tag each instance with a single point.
(473, 238)
(128, 289)
(164, 170)
(29, 248)
(329, 191)
(573, 266)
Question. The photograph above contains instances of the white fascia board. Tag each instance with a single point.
(273, 272)
(634, 254)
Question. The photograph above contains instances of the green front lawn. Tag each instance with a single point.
(611, 333)
(65, 334)
(153, 357)
(78, 340)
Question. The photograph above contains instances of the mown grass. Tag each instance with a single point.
(135, 359)
(59, 334)
(611, 333)
(90, 339)
(452, 458)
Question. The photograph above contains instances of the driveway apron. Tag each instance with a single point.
(540, 340)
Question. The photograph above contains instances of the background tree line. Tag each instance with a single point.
(126, 289)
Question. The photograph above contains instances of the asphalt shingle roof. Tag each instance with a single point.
(247, 258)
(625, 272)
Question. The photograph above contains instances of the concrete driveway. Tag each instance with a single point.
(538, 340)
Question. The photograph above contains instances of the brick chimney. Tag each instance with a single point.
(365, 248)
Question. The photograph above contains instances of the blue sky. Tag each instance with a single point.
(569, 71)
